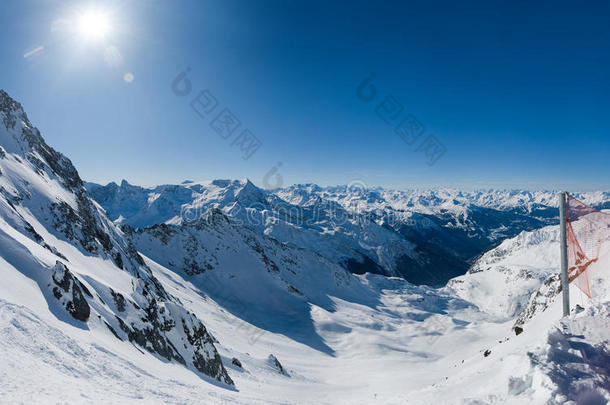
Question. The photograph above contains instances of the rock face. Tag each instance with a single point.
(69, 291)
(43, 199)
(275, 363)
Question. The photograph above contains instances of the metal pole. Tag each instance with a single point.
(563, 242)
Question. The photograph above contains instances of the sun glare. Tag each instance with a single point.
(93, 24)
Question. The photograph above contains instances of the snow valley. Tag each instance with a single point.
(222, 292)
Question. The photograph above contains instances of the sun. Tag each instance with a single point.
(93, 24)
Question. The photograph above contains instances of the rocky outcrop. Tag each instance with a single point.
(275, 363)
(69, 292)
(540, 300)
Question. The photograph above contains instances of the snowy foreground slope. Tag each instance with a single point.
(90, 312)
(413, 346)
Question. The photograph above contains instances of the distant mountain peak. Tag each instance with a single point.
(249, 193)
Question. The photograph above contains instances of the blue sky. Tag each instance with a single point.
(510, 89)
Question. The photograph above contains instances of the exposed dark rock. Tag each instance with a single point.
(201, 340)
(118, 260)
(256, 246)
(518, 330)
(486, 353)
(81, 225)
(540, 300)
(295, 290)
(69, 293)
(150, 333)
(236, 362)
(84, 288)
(37, 163)
(162, 232)
(274, 362)
(119, 300)
(116, 335)
(32, 231)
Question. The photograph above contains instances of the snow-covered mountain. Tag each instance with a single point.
(59, 251)
(398, 233)
(93, 310)
(267, 283)
(356, 243)
(501, 281)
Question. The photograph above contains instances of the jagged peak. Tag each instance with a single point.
(10, 106)
(25, 139)
(247, 184)
(250, 193)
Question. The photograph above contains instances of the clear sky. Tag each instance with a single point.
(516, 92)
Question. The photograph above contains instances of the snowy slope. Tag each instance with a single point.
(269, 284)
(413, 345)
(554, 360)
(501, 281)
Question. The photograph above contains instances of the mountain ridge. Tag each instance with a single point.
(53, 232)
(398, 233)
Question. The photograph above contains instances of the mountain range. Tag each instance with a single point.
(389, 232)
(222, 292)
